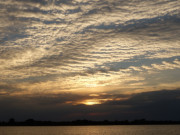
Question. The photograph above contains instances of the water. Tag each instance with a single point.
(92, 130)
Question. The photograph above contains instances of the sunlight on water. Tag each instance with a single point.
(92, 130)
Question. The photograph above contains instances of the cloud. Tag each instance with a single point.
(9, 89)
(57, 46)
(159, 105)
(152, 105)
(139, 99)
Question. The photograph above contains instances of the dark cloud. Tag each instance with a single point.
(7, 89)
(159, 105)
(42, 2)
(150, 97)
(160, 27)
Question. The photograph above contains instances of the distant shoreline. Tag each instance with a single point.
(32, 122)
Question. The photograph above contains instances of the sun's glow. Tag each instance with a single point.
(91, 102)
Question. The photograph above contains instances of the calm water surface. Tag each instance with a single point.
(92, 130)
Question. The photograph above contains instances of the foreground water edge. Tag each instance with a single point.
(92, 130)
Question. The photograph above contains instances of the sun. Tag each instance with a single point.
(91, 102)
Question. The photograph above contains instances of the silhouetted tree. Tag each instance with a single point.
(11, 121)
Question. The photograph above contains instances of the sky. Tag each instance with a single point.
(90, 59)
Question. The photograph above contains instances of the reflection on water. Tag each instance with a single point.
(92, 130)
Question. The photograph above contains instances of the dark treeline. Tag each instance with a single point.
(32, 122)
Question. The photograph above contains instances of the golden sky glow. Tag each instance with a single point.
(91, 102)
